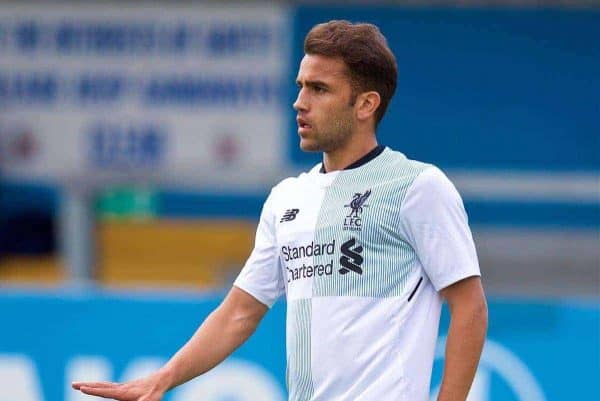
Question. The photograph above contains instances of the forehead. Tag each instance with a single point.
(317, 67)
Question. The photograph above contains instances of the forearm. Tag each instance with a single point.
(466, 336)
(218, 336)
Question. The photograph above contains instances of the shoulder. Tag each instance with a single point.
(431, 196)
(398, 165)
(420, 176)
(289, 184)
(432, 176)
(433, 183)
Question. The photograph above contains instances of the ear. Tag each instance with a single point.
(366, 104)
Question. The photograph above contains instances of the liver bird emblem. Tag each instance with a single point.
(357, 203)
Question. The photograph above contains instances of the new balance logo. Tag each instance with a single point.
(289, 215)
(352, 258)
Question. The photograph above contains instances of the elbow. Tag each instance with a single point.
(243, 325)
(472, 314)
(239, 315)
(479, 314)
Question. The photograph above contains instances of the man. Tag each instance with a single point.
(364, 246)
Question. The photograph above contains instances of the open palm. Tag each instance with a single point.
(145, 389)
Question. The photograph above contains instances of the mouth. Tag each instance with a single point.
(303, 125)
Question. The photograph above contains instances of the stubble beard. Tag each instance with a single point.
(332, 138)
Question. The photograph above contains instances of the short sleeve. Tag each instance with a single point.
(261, 276)
(435, 223)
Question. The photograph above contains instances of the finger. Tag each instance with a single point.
(104, 392)
(77, 385)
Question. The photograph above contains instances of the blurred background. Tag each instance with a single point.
(138, 141)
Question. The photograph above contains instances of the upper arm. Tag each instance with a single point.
(242, 306)
(466, 293)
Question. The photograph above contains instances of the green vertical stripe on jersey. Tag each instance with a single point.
(299, 372)
(388, 258)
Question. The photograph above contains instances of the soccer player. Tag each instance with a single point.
(365, 246)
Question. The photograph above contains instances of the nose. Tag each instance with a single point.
(300, 103)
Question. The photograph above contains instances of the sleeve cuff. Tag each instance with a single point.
(268, 302)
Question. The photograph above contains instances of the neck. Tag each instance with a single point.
(347, 154)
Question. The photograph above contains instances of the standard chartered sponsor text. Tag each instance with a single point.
(289, 253)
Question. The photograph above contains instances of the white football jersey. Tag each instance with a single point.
(361, 254)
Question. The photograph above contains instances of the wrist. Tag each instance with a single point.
(447, 394)
(163, 379)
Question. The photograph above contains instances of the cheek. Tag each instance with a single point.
(332, 111)
(343, 115)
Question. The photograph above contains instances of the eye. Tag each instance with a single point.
(320, 89)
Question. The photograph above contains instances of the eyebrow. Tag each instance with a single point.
(312, 84)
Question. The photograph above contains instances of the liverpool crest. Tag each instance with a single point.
(353, 220)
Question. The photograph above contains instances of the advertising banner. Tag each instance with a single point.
(179, 94)
(536, 351)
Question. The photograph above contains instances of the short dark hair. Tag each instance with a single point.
(363, 48)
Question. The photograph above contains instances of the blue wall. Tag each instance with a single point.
(557, 342)
(486, 89)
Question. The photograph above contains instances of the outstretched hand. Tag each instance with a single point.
(146, 389)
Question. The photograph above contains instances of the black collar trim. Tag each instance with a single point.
(363, 160)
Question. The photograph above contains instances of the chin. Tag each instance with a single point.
(309, 146)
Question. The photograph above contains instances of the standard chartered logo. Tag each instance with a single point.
(297, 272)
(499, 364)
(350, 261)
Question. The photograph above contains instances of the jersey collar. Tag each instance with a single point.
(363, 160)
